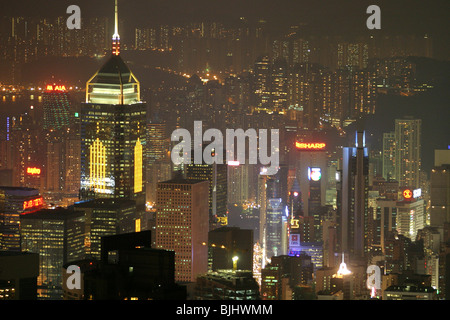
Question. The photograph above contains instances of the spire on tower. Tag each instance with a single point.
(116, 37)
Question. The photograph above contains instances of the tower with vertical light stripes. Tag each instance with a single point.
(113, 131)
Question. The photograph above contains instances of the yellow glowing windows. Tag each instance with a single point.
(97, 166)
(138, 166)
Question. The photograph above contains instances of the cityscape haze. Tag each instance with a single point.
(349, 198)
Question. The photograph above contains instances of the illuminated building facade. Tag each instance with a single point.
(353, 199)
(263, 82)
(51, 234)
(388, 155)
(56, 103)
(217, 176)
(182, 225)
(408, 152)
(283, 274)
(113, 132)
(15, 201)
(311, 172)
(410, 217)
(105, 217)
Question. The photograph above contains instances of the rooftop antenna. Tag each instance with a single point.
(116, 37)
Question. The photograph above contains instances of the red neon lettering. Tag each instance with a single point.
(32, 203)
(315, 146)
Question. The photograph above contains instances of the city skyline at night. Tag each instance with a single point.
(349, 198)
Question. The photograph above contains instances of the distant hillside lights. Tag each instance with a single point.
(213, 153)
(74, 20)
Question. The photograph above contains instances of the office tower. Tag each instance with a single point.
(386, 188)
(217, 176)
(323, 280)
(157, 142)
(128, 270)
(283, 274)
(159, 166)
(354, 198)
(24, 138)
(408, 152)
(72, 163)
(273, 227)
(262, 82)
(231, 247)
(386, 221)
(275, 208)
(440, 189)
(329, 240)
(56, 104)
(226, 285)
(388, 155)
(238, 183)
(54, 164)
(14, 202)
(182, 225)
(279, 86)
(105, 217)
(311, 172)
(51, 234)
(18, 279)
(410, 214)
(113, 132)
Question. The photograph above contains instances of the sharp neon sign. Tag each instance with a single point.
(310, 146)
(33, 203)
(55, 88)
(33, 171)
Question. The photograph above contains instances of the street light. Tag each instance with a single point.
(235, 259)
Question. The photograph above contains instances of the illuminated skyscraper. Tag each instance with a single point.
(388, 155)
(262, 82)
(182, 225)
(51, 234)
(13, 203)
(408, 152)
(353, 203)
(113, 131)
(217, 176)
(56, 107)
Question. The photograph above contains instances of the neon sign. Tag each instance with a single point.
(33, 171)
(55, 88)
(310, 146)
(314, 174)
(34, 203)
(294, 224)
(407, 194)
(222, 220)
